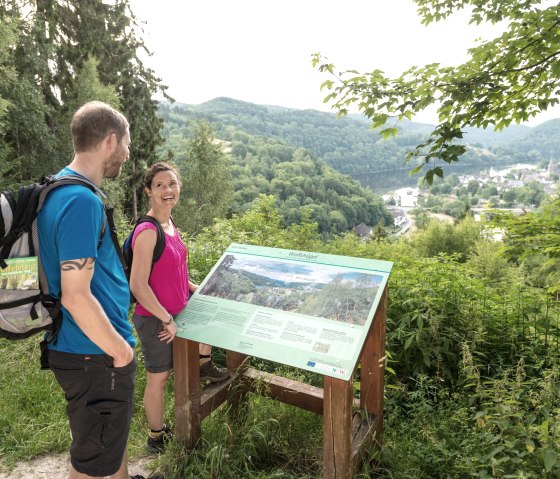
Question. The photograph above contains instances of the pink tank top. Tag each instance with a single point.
(169, 279)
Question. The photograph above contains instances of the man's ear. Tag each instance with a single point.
(110, 143)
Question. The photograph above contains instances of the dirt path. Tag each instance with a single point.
(55, 466)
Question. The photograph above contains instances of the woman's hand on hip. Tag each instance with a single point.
(168, 332)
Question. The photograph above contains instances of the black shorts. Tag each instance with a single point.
(100, 404)
(158, 354)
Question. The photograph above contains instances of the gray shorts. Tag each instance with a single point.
(158, 355)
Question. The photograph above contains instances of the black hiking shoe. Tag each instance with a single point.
(138, 476)
(156, 445)
(210, 372)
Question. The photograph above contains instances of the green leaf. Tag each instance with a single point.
(550, 458)
(429, 177)
(327, 84)
(387, 132)
(408, 342)
(378, 120)
(415, 170)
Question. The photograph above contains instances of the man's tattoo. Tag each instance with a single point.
(77, 264)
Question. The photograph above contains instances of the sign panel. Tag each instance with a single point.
(308, 310)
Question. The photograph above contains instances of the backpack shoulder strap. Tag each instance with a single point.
(53, 182)
(23, 212)
(114, 237)
(160, 242)
(107, 209)
(7, 208)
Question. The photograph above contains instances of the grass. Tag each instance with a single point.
(32, 411)
(273, 440)
(505, 428)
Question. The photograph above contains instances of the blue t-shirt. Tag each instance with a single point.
(69, 226)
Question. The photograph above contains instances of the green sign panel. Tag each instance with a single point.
(308, 310)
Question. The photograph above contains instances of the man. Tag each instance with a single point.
(92, 356)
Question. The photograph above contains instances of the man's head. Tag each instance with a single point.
(97, 126)
(93, 122)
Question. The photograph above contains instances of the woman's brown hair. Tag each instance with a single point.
(158, 168)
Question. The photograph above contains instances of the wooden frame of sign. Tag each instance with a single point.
(350, 426)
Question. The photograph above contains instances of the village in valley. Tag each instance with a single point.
(519, 188)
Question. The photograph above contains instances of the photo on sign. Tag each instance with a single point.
(331, 292)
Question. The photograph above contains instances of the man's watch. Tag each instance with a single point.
(167, 323)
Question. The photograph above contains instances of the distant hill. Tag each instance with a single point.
(489, 138)
(259, 280)
(542, 141)
(351, 147)
(304, 186)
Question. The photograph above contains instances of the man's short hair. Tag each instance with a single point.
(93, 122)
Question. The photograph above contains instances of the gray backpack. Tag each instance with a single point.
(26, 307)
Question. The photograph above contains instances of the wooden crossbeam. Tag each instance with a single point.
(284, 390)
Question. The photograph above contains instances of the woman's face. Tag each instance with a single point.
(165, 190)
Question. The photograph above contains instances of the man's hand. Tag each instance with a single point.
(125, 358)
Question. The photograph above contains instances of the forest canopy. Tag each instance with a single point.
(351, 147)
(55, 56)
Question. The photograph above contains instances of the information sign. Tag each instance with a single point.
(302, 309)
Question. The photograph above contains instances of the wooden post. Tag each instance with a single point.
(186, 364)
(234, 360)
(337, 428)
(373, 368)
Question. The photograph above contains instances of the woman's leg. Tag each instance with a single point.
(153, 399)
(204, 349)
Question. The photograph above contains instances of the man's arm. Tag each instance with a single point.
(88, 313)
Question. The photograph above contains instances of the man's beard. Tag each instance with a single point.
(113, 165)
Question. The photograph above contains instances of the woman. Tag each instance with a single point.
(161, 292)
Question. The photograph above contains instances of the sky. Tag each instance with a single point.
(288, 271)
(284, 270)
(259, 51)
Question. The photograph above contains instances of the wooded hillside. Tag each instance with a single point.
(350, 146)
(304, 186)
